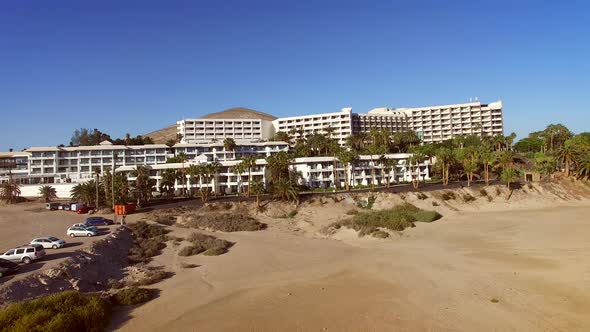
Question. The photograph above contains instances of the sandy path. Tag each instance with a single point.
(437, 277)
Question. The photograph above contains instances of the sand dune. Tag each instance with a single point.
(436, 277)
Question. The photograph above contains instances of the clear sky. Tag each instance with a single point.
(136, 66)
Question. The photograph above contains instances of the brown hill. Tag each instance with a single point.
(163, 135)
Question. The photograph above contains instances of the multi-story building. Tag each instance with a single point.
(75, 164)
(240, 124)
(304, 125)
(435, 124)
(14, 165)
(216, 151)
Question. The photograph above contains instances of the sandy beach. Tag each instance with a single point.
(513, 270)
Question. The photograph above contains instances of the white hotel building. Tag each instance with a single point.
(202, 142)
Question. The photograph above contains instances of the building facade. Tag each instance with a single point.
(305, 125)
(211, 130)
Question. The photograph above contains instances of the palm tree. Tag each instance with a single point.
(278, 165)
(446, 158)
(382, 161)
(566, 155)
(48, 193)
(374, 150)
(257, 190)
(487, 158)
(195, 172)
(10, 191)
(182, 158)
(583, 170)
(84, 192)
(347, 158)
(414, 166)
(228, 145)
(249, 163)
(168, 182)
(509, 175)
(143, 186)
(390, 165)
(97, 174)
(284, 189)
(499, 141)
(210, 171)
(239, 169)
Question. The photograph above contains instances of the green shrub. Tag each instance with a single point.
(292, 214)
(435, 203)
(191, 250)
(224, 221)
(133, 295)
(468, 198)
(483, 192)
(421, 196)
(65, 311)
(396, 219)
(380, 234)
(152, 275)
(188, 265)
(427, 216)
(352, 212)
(206, 244)
(142, 229)
(448, 195)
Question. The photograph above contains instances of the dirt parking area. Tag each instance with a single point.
(20, 223)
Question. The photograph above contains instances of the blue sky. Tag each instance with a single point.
(136, 66)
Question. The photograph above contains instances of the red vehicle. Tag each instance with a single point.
(84, 209)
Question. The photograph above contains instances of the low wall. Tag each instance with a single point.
(32, 190)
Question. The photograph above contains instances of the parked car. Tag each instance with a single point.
(52, 206)
(25, 254)
(49, 242)
(7, 267)
(84, 209)
(80, 231)
(92, 228)
(98, 221)
(66, 206)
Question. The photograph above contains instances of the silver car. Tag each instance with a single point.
(49, 242)
(92, 228)
(79, 231)
(24, 254)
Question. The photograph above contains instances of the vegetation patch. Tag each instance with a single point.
(483, 192)
(468, 198)
(224, 221)
(368, 204)
(421, 196)
(292, 214)
(380, 234)
(206, 244)
(133, 296)
(149, 241)
(435, 203)
(448, 195)
(352, 212)
(395, 219)
(65, 311)
(188, 265)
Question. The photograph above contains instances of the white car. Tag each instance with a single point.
(91, 228)
(79, 231)
(49, 242)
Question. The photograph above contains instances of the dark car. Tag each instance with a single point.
(98, 221)
(7, 267)
(85, 209)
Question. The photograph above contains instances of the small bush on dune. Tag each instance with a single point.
(483, 192)
(380, 234)
(498, 191)
(395, 219)
(206, 244)
(421, 196)
(352, 212)
(224, 221)
(427, 216)
(65, 311)
(142, 229)
(188, 265)
(435, 203)
(292, 214)
(468, 198)
(448, 195)
(133, 295)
